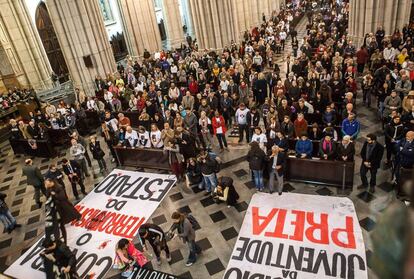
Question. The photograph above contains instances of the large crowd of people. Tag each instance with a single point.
(186, 100)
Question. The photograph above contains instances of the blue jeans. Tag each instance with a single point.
(258, 179)
(210, 181)
(8, 220)
(194, 250)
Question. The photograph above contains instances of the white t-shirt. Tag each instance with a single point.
(113, 123)
(156, 140)
(144, 140)
(174, 69)
(259, 138)
(131, 137)
(241, 116)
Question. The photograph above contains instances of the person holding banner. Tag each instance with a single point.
(127, 256)
(156, 238)
(187, 233)
(58, 260)
(59, 210)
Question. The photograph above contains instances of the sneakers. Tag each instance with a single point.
(169, 258)
(189, 264)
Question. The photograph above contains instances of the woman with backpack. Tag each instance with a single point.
(186, 232)
(256, 158)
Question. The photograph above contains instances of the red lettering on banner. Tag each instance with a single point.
(280, 224)
(322, 227)
(257, 227)
(349, 231)
(109, 222)
(304, 224)
(299, 224)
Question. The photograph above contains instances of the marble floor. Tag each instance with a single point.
(219, 224)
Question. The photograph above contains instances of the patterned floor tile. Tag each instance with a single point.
(368, 224)
(215, 266)
(217, 216)
(229, 233)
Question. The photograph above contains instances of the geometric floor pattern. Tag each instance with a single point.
(219, 225)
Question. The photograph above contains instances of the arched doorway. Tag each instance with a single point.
(50, 43)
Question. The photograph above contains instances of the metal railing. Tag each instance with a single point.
(61, 91)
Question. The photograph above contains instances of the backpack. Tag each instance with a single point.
(217, 166)
(193, 221)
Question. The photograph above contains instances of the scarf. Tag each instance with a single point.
(327, 145)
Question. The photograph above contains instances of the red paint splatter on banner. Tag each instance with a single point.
(104, 244)
(91, 275)
(119, 173)
(110, 198)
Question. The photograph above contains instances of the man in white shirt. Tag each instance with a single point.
(282, 36)
(173, 92)
(241, 121)
(389, 54)
(131, 137)
(111, 122)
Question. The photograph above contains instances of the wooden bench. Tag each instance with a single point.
(44, 148)
(143, 158)
(324, 172)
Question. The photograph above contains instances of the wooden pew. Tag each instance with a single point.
(315, 145)
(59, 137)
(44, 148)
(143, 158)
(334, 173)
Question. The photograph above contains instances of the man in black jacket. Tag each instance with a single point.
(74, 172)
(57, 254)
(34, 178)
(252, 120)
(371, 155)
(394, 132)
(276, 169)
(156, 238)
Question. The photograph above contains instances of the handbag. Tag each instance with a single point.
(118, 263)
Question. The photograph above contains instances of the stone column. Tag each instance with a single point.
(173, 23)
(367, 15)
(22, 55)
(140, 25)
(81, 33)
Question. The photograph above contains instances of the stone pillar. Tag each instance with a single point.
(367, 15)
(173, 23)
(22, 57)
(140, 25)
(83, 39)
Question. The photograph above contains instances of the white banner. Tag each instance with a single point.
(114, 209)
(296, 236)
